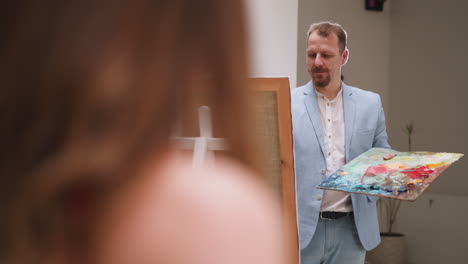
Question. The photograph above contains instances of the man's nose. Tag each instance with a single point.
(318, 60)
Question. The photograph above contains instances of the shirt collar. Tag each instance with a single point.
(321, 96)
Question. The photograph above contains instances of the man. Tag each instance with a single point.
(332, 124)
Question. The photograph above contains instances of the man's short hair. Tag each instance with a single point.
(325, 28)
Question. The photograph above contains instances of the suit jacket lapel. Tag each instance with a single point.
(349, 115)
(310, 101)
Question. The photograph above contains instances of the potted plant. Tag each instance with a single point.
(392, 248)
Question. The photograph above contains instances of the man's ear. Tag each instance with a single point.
(344, 57)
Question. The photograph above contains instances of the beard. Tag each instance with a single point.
(320, 80)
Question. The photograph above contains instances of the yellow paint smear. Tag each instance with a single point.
(434, 165)
(396, 165)
(403, 158)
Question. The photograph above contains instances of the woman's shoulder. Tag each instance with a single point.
(214, 213)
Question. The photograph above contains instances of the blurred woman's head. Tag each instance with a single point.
(91, 90)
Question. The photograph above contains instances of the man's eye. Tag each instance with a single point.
(312, 55)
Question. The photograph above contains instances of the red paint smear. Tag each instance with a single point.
(418, 173)
(377, 169)
(374, 170)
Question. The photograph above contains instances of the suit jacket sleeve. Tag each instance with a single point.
(380, 138)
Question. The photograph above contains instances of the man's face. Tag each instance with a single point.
(324, 59)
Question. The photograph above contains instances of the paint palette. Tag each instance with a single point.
(390, 173)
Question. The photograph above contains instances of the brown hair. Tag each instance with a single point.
(92, 88)
(325, 28)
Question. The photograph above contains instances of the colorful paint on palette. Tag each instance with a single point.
(405, 176)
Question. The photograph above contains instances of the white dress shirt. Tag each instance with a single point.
(332, 116)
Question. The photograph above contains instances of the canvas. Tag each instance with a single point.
(272, 113)
(390, 173)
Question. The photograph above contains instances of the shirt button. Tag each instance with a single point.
(319, 197)
(323, 171)
(328, 119)
(329, 153)
(328, 104)
(329, 136)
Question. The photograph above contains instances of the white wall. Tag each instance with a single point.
(429, 85)
(429, 81)
(368, 41)
(273, 37)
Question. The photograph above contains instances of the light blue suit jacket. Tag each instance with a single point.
(364, 129)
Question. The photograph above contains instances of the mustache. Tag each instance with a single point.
(319, 69)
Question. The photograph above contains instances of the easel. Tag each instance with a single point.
(204, 146)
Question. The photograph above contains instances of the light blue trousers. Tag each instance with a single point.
(334, 242)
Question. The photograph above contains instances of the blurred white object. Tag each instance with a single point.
(204, 146)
